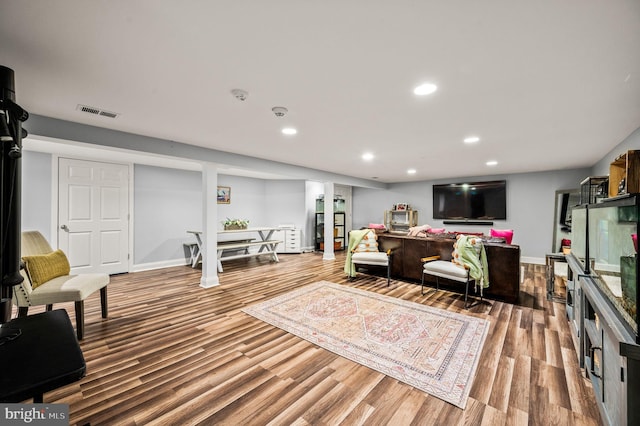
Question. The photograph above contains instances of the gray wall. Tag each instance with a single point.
(530, 205)
(285, 203)
(601, 168)
(36, 193)
(248, 200)
(70, 131)
(531, 196)
(166, 204)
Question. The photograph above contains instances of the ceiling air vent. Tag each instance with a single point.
(96, 111)
(108, 114)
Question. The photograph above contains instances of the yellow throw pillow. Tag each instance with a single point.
(44, 267)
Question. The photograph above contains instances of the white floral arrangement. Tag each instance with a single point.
(235, 223)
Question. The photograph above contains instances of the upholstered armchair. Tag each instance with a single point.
(363, 250)
(469, 264)
(47, 280)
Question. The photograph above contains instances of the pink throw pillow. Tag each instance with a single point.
(435, 231)
(634, 237)
(507, 234)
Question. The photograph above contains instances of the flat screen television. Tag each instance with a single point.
(470, 201)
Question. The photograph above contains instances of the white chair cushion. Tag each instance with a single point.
(445, 269)
(370, 258)
(68, 288)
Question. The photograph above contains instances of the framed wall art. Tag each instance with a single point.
(224, 195)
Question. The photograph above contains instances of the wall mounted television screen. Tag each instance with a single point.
(470, 201)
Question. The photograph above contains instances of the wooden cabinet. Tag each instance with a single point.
(400, 220)
(627, 167)
(413, 251)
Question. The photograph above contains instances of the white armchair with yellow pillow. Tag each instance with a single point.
(48, 280)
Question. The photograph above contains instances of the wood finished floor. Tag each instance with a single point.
(173, 353)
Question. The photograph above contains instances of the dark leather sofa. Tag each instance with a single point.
(503, 262)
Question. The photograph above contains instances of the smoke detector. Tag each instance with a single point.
(279, 111)
(240, 94)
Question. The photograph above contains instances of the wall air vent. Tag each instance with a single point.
(96, 111)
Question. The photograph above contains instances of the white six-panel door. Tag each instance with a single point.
(93, 211)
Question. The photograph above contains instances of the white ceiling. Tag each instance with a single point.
(548, 84)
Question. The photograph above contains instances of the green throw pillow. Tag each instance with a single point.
(44, 267)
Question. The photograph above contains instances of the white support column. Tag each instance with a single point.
(209, 226)
(328, 222)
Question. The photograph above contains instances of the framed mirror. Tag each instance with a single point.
(566, 199)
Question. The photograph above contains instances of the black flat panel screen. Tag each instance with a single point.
(471, 200)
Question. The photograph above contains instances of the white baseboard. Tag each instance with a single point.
(209, 282)
(159, 265)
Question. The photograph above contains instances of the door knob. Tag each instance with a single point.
(65, 228)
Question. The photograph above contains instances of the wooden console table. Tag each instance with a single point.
(43, 356)
(503, 262)
(266, 246)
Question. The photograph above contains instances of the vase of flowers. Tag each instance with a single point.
(231, 224)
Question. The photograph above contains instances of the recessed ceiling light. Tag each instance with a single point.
(471, 139)
(411, 171)
(492, 163)
(367, 156)
(289, 131)
(425, 89)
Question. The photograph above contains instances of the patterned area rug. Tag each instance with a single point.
(433, 350)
